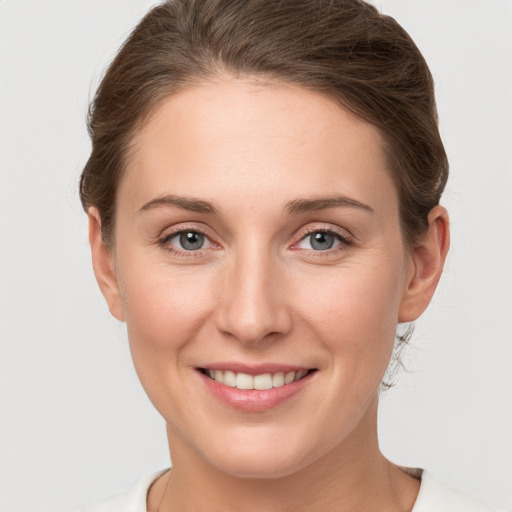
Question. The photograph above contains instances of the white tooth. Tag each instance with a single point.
(244, 381)
(289, 377)
(230, 378)
(211, 373)
(300, 374)
(278, 379)
(219, 376)
(263, 381)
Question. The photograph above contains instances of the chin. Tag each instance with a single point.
(257, 467)
(261, 456)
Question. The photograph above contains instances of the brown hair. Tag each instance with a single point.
(342, 48)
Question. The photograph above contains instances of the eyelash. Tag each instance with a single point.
(183, 253)
(345, 242)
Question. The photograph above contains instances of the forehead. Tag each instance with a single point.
(244, 139)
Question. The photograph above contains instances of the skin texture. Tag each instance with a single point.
(257, 292)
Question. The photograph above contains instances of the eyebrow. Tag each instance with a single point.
(297, 206)
(322, 203)
(186, 203)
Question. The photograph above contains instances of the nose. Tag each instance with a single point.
(253, 305)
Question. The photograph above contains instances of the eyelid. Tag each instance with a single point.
(180, 227)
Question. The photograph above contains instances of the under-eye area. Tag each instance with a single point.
(261, 381)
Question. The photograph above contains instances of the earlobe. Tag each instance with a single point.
(428, 259)
(103, 265)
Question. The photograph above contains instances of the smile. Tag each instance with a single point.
(252, 389)
(260, 382)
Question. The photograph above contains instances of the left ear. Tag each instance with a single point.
(428, 259)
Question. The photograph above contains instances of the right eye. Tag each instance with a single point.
(187, 240)
(321, 240)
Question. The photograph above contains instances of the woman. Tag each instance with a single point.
(263, 200)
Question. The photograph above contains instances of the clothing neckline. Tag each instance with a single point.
(433, 496)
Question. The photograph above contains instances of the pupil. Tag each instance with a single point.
(322, 241)
(191, 241)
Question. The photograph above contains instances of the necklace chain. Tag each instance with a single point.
(164, 493)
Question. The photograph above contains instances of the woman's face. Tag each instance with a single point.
(258, 240)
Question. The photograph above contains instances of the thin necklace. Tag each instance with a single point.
(164, 493)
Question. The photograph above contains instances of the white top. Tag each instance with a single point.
(433, 497)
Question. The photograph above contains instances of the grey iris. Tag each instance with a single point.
(321, 241)
(191, 241)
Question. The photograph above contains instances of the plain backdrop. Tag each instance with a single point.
(75, 423)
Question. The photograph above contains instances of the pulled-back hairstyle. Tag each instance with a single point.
(344, 49)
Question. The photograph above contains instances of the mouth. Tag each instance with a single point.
(259, 382)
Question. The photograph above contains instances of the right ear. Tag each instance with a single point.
(103, 265)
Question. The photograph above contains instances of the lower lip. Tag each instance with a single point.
(254, 400)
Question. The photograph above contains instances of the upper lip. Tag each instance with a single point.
(254, 369)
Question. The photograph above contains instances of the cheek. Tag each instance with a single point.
(354, 311)
(164, 307)
(164, 311)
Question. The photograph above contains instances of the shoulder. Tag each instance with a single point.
(134, 500)
(436, 497)
(433, 497)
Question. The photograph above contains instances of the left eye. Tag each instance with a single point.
(188, 240)
(320, 241)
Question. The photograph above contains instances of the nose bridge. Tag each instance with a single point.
(253, 303)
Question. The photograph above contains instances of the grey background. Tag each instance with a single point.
(75, 424)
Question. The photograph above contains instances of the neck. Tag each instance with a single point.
(352, 476)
